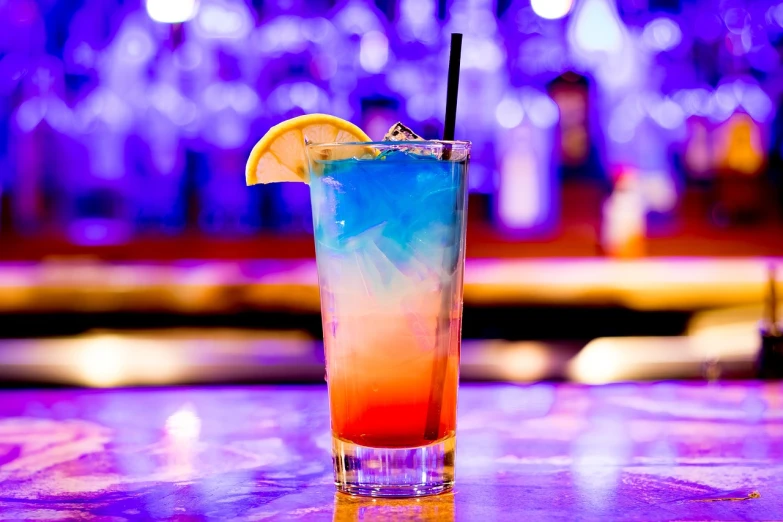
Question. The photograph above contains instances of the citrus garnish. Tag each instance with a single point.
(280, 154)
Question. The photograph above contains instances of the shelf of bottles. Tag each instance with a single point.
(124, 119)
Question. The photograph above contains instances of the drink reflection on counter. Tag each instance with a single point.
(438, 508)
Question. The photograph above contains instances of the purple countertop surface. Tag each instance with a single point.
(666, 451)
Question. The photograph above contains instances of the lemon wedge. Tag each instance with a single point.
(280, 154)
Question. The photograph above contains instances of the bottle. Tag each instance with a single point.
(527, 192)
(624, 218)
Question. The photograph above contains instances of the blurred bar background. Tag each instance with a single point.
(625, 204)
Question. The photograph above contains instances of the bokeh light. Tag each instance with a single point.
(172, 11)
(551, 9)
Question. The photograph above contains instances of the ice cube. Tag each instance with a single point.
(436, 248)
(390, 273)
(423, 311)
(399, 132)
(354, 199)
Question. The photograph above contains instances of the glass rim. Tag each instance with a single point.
(414, 143)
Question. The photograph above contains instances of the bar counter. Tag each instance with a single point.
(657, 451)
(228, 286)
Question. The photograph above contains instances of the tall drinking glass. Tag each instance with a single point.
(389, 222)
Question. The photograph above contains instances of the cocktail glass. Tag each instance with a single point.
(389, 222)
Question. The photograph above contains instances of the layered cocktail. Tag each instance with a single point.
(389, 220)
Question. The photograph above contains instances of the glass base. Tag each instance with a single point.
(394, 472)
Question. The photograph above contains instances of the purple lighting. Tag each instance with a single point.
(140, 113)
(621, 452)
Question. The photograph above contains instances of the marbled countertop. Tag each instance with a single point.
(623, 452)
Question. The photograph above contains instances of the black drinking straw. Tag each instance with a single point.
(453, 86)
(440, 364)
